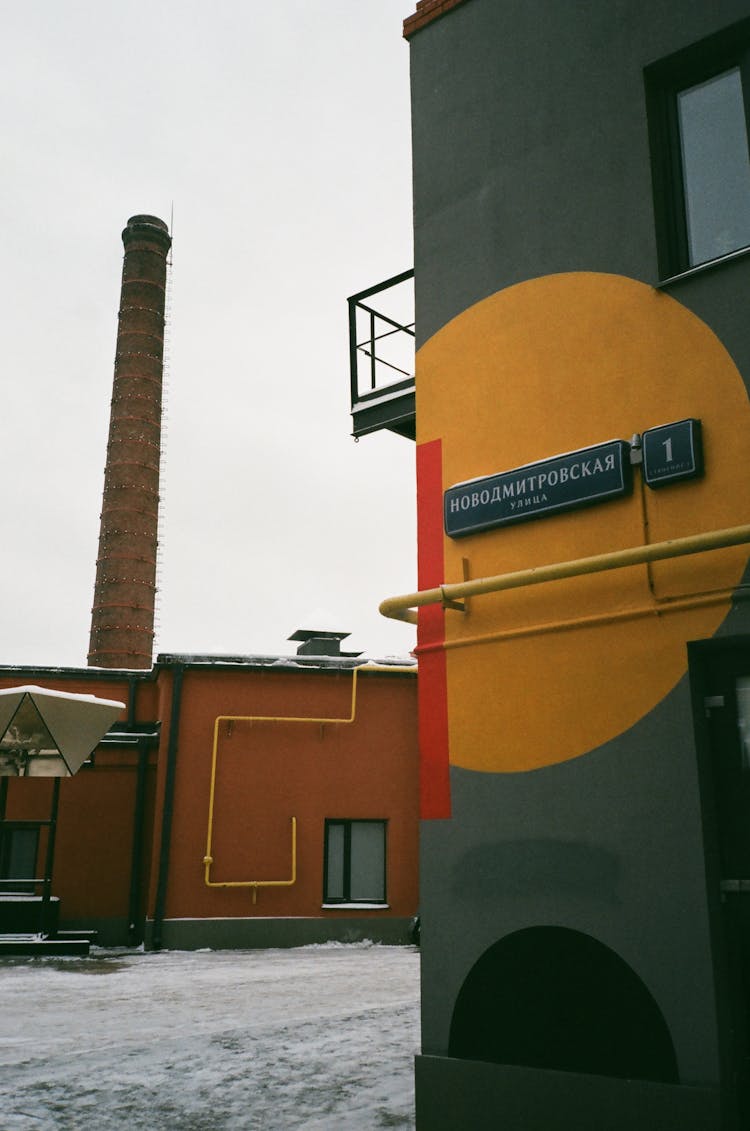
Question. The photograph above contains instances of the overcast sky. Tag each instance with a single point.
(279, 134)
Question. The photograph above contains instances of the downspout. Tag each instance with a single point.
(135, 929)
(168, 807)
(136, 851)
(44, 921)
(132, 688)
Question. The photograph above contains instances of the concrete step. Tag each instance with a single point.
(41, 946)
(77, 936)
(22, 914)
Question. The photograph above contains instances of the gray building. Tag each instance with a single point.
(582, 230)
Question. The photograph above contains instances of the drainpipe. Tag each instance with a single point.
(44, 923)
(168, 807)
(135, 937)
(132, 691)
(135, 931)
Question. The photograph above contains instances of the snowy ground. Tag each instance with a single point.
(319, 1037)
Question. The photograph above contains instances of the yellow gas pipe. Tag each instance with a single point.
(208, 858)
(404, 607)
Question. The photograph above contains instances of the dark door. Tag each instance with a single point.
(725, 706)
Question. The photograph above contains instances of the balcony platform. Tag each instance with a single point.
(381, 358)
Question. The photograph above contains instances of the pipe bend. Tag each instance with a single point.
(403, 607)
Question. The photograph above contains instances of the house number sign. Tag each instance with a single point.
(672, 452)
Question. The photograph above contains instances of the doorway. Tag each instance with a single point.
(720, 677)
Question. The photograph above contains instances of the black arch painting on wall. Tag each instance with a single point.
(550, 997)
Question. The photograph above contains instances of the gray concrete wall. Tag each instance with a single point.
(531, 157)
(530, 142)
(610, 844)
(452, 1095)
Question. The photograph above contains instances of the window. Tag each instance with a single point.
(18, 853)
(354, 865)
(698, 120)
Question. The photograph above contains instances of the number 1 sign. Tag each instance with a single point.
(672, 452)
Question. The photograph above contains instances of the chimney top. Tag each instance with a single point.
(150, 227)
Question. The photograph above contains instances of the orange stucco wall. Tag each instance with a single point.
(268, 772)
(93, 849)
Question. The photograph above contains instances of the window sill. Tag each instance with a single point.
(699, 268)
(355, 906)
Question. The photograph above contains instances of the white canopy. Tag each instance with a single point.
(45, 733)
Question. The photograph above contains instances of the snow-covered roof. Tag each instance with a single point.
(282, 663)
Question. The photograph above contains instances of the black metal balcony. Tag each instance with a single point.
(381, 357)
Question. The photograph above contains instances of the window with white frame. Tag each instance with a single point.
(354, 863)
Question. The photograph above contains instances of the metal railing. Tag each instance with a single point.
(384, 341)
(34, 882)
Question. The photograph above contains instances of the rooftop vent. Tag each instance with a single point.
(317, 642)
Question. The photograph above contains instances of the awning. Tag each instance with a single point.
(49, 734)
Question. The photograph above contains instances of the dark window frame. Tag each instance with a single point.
(347, 824)
(11, 832)
(665, 79)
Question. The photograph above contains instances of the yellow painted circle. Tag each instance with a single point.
(550, 366)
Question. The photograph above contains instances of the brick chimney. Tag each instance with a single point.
(122, 618)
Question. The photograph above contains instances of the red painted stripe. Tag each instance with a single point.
(433, 681)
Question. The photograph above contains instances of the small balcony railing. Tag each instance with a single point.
(381, 357)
